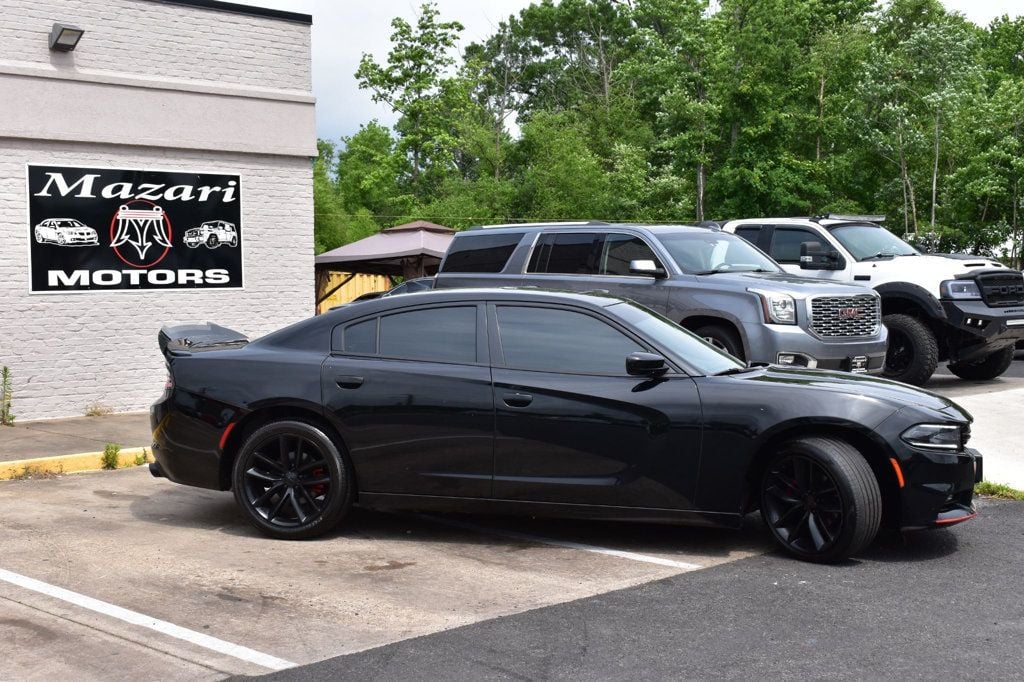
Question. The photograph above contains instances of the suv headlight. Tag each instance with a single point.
(960, 289)
(778, 308)
(935, 436)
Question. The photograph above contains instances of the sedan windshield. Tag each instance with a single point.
(703, 253)
(866, 242)
(675, 341)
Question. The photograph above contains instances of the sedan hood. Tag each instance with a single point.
(795, 286)
(891, 392)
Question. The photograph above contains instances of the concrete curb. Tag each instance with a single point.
(67, 464)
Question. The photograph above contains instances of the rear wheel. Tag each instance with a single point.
(820, 499)
(292, 481)
(989, 367)
(722, 338)
(913, 352)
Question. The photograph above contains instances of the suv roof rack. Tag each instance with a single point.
(849, 218)
(571, 223)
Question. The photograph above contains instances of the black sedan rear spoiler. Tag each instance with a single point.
(185, 339)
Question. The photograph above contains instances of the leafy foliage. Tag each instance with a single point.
(675, 110)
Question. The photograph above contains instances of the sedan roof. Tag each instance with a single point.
(595, 299)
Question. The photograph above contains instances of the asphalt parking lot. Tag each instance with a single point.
(119, 574)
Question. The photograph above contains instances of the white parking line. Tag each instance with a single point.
(632, 556)
(133, 617)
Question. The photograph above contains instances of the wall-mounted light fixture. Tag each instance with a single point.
(64, 38)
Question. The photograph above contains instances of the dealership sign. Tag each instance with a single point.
(100, 229)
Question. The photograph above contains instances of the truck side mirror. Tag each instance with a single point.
(646, 267)
(814, 256)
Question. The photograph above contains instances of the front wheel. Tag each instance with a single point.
(989, 367)
(913, 352)
(292, 481)
(722, 338)
(821, 500)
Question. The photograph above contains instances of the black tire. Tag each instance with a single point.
(723, 338)
(820, 499)
(990, 367)
(233, 242)
(212, 242)
(292, 481)
(913, 353)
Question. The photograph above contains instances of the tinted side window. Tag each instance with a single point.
(572, 253)
(548, 339)
(786, 243)
(620, 249)
(749, 232)
(483, 253)
(361, 337)
(433, 334)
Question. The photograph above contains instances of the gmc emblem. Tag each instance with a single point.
(849, 313)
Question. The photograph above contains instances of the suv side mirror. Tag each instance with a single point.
(642, 364)
(813, 256)
(646, 267)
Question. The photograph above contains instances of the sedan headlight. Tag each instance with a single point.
(960, 289)
(935, 436)
(778, 308)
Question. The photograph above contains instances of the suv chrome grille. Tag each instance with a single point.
(1001, 288)
(832, 316)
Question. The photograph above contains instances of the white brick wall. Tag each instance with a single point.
(164, 41)
(67, 351)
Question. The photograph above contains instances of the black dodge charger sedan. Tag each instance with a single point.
(549, 403)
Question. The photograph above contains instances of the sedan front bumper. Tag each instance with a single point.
(939, 488)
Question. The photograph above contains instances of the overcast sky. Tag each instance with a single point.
(344, 29)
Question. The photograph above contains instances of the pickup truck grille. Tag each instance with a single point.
(834, 316)
(1001, 288)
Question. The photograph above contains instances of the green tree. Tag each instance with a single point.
(413, 83)
(561, 178)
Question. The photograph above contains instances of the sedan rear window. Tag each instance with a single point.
(432, 334)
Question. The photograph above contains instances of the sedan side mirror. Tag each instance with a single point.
(646, 267)
(642, 364)
(813, 256)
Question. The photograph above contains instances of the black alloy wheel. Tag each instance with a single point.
(291, 480)
(821, 500)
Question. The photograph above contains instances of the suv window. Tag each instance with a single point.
(484, 253)
(620, 249)
(570, 253)
(749, 232)
(786, 243)
(431, 334)
(547, 340)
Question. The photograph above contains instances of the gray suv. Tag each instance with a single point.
(715, 284)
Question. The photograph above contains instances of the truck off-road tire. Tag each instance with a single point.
(988, 367)
(722, 338)
(913, 353)
(212, 242)
(820, 499)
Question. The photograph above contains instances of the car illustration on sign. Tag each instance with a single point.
(65, 232)
(212, 233)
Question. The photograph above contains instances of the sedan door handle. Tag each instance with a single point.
(517, 399)
(349, 382)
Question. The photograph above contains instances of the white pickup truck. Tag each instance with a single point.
(968, 312)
